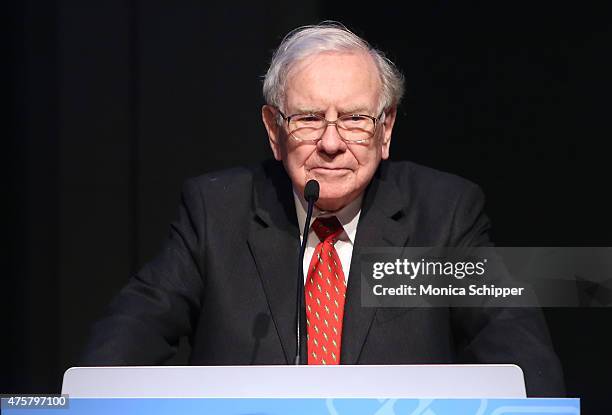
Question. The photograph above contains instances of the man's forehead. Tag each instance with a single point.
(347, 82)
(353, 61)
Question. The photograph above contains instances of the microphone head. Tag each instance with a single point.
(311, 191)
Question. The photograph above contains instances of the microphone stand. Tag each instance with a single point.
(311, 194)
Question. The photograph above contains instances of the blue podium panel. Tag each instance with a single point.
(305, 406)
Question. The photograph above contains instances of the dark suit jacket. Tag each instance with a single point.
(226, 278)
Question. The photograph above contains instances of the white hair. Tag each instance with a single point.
(328, 36)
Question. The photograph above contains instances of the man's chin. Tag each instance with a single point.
(335, 188)
(333, 200)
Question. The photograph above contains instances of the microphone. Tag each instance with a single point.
(311, 194)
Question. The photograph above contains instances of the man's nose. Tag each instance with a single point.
(331, 142)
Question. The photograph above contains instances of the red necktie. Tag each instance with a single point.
(325, 291)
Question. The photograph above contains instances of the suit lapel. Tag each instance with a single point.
(274, 243)
(380, 225)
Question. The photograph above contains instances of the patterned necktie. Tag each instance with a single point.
(325, 291)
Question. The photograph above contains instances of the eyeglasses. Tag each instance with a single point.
(352, 128)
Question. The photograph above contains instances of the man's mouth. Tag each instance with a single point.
(329, 171)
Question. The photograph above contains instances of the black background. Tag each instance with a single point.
(114, 103)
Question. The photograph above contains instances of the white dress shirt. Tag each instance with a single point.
(348, 217)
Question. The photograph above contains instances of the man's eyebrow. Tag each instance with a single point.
(343, 111)
(307, 110)
(354, 110)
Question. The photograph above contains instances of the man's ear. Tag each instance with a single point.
(269, 117)
(387, 125)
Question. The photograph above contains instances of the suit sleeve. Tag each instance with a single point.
(502, 335)
(160, 304)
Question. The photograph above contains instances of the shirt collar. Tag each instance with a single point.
(348, 215)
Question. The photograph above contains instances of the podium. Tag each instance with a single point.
(343, 381)
(299, 390)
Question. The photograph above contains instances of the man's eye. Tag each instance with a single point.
(307, 119)
(355, 119)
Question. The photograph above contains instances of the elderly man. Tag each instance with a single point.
(226, 277)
